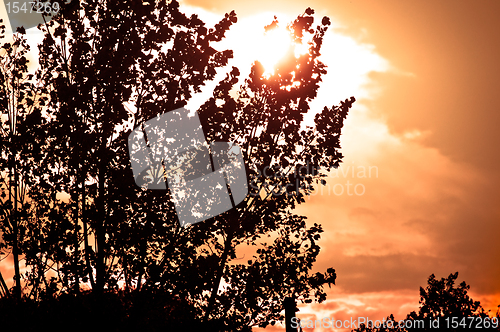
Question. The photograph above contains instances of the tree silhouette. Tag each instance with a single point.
(108, 67)
(94, 59)
(449, 308)
(441, 298)
(20, 102)
(265, 118)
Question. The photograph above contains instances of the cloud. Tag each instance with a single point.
(423, 213)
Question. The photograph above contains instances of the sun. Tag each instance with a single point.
(274, 45)
(262, 38)
(250, 41)
(348, 61)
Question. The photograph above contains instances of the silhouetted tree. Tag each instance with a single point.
(99, 56)
(20, 102)
(443, 306)
(95, 57)
(283, 161)
(442, 298)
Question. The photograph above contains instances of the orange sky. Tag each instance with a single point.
(428, 123)
(425, 119)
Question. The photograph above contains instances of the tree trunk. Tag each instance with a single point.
(4, 290)
(99, 231)
(76, 245)
(86, 236)
(290, 309)
(15, 228)
(220, 271)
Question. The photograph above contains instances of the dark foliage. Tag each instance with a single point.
(81, 222)
(115, 311)
(443, 307)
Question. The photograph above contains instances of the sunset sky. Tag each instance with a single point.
(426, 76)
(420, 145)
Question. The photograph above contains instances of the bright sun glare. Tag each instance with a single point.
(275, 44)
(251, 42)
(348, 61)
